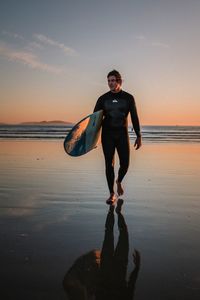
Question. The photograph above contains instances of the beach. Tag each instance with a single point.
(53, 211)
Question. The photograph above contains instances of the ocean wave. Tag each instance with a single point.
(149, 133)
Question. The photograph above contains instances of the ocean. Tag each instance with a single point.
(149, 133)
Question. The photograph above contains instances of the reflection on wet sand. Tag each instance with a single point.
(101, 275)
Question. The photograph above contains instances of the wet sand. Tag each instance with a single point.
(53, 211)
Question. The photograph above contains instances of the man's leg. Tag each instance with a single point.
(108, 145)
(123, 150)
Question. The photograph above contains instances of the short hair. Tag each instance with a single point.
(116, 74)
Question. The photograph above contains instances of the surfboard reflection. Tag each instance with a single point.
(101, 275)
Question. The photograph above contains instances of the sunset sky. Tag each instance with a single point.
(55, 55)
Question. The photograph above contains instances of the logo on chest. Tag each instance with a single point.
(115, 101)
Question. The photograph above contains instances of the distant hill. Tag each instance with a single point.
(54, 122)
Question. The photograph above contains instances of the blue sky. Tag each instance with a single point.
(55, 55)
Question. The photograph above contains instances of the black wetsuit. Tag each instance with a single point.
(116, 107)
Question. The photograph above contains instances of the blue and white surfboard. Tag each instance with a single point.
(83, 137)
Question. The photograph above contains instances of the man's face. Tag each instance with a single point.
(113, 84)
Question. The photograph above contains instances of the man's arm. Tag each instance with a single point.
(134, 117)
(136, 123)
(98, 105)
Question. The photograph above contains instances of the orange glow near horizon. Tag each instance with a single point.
(151, 118)
(150, 112)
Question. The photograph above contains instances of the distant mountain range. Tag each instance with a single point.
(54, 122)
(47, 123)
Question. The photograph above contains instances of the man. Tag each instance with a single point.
(116, 104)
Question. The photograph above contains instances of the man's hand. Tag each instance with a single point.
(138, 142)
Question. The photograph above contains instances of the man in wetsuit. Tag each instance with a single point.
(116, 104)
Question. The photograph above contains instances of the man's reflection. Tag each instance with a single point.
(101, 275)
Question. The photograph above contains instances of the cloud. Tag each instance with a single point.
(140, 37)
(148, 42)
(48, 41)
(28, 59)
(12, 34)
(41, 40)
(159, 44)
(35, 45)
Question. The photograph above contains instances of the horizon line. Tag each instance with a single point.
(73, 123)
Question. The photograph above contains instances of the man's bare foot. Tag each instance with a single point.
(112, 199)
(120, 190)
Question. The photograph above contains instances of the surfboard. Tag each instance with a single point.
(83, 137)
